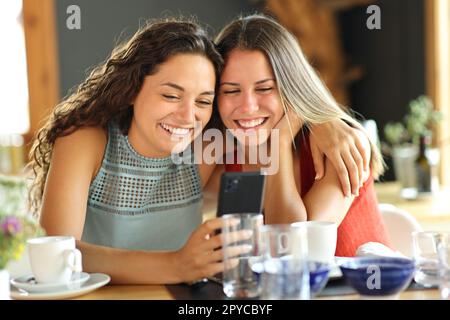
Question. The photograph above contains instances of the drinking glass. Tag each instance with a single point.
(238, 279)
(284, 270)
(444, 265)
(426, 257)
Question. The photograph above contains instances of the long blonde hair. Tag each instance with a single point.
(298, 84)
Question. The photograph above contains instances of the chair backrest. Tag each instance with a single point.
(400, 224)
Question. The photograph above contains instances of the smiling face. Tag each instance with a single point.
(248, 96)
(170, 103)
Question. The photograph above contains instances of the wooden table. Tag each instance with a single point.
(429, 211)
(160, 292)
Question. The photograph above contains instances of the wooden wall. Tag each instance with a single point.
(42, 60)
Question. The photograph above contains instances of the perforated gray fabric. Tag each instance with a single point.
(148, 190)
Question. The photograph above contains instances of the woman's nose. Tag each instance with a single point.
(249, 103)
(186, 113)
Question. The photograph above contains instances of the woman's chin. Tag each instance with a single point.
(251, 138)
(179, 147)
(252, 143)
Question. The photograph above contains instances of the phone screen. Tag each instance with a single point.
(241, 192)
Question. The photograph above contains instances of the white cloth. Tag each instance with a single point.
(376, 249)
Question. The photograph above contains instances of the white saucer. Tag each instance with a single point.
(28, 283)
(95, 281)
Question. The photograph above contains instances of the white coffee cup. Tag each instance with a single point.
(54, 259)
(322, 239)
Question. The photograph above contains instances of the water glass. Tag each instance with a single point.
(238, 279)
(444, 265)
(284, 270)
(426, 257)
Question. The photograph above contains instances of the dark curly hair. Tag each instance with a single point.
(107, 92)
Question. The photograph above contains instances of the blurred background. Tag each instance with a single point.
(388, 60)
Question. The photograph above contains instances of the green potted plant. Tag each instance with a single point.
(403, 138)
(16, 226)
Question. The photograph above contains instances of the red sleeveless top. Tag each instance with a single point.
(363, 221)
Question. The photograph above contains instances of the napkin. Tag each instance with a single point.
(376, 249)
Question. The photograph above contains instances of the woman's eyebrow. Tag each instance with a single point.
(264, 80)
(210, 93)
(237, 84)
(229, 83)
(175, 86)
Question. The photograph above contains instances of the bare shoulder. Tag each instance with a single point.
(85, 146)
(75, 160)
(85, 135)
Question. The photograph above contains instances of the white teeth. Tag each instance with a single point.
(175, 130)
(251, 123)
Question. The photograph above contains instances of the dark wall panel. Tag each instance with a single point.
(104, 22)
(393, 59)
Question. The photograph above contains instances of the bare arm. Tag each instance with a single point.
(75, 160)
(343, 147)
(283, 203)
(211, 192)
(325, 200)
(201, 257)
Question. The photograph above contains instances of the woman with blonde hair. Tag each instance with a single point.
(267, 84)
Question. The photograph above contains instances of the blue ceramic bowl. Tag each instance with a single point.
(378, 276)
(318, 275)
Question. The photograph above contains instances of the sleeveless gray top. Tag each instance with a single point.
(142, 203)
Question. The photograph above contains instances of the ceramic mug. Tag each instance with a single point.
(322, 239)
(54, 259)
